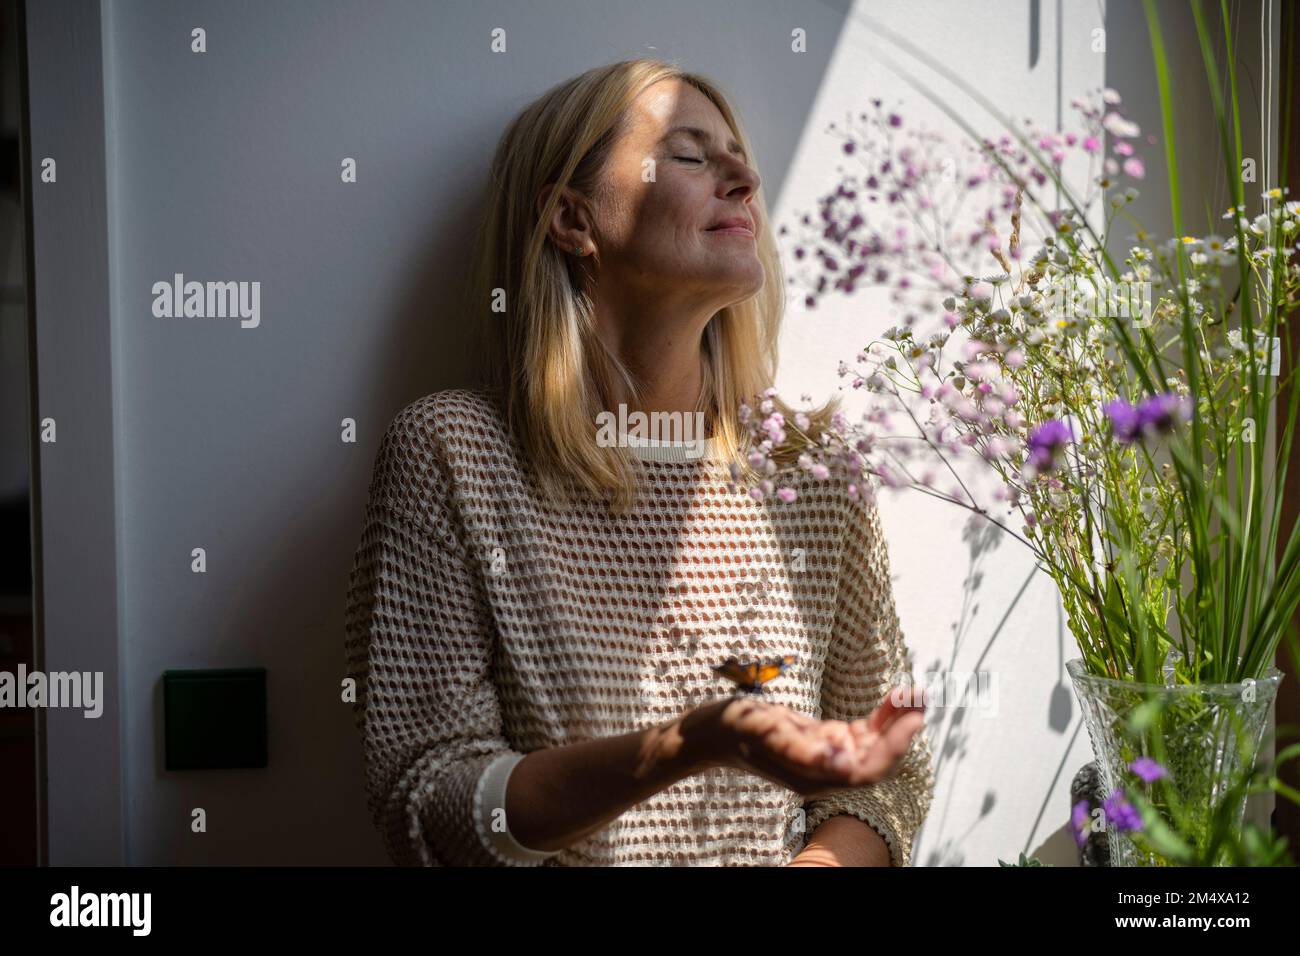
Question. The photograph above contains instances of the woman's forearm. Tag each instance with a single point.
(843, 840)
(559, 795)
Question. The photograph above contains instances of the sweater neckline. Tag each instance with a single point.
(651, 449)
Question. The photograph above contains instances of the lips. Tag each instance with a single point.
(737, 224)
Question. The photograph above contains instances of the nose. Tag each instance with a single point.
(742, 181)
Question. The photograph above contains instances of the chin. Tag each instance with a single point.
(746, 288)
(738, 272)
(752, 280)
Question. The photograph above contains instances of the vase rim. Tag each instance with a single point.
(1077, 670)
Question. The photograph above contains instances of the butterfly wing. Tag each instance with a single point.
(767, 670)
(752, 675)
(743, 674)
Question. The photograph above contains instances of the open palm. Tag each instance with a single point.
(813, 756)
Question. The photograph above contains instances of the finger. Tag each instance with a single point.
(898, 700)
(799, 720)
(802, 721)
(898, 737)
(862, 731)
(886, 752)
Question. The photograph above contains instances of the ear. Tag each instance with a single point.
(569, 224)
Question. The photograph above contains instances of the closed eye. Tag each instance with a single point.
(688, 159)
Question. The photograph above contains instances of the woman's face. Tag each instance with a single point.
(674, 175)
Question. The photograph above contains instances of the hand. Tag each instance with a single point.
(812, 756)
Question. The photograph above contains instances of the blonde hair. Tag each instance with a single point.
(543, 357)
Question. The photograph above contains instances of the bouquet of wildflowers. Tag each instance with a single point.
(1118, 402)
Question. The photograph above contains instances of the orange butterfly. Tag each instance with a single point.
(750, 676)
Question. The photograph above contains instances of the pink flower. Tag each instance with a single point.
(1091, 144)
(1118, 126)
(889, 478)
(995, 447)
(1134, 167)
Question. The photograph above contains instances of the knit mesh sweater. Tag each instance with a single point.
(484, 622)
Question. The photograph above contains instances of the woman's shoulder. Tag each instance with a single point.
(450, 423)
(434, 445)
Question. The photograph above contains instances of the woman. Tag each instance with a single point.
(535, 614)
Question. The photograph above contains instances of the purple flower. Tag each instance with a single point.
(1125, 424)
(1157, 415)
(1121, 814)
(1080, 822)
(1161, 413)
(1148, 769)
(1046, 442)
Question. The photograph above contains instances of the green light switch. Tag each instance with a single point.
(214, 719)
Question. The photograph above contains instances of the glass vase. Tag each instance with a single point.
(1198, 738)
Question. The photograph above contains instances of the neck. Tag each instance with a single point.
(663, 351)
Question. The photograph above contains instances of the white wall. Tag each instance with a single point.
(968, 596)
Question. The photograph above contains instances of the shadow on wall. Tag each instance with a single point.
(1122, 37)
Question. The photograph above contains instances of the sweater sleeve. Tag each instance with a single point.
(419, 648)
(866, 656)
